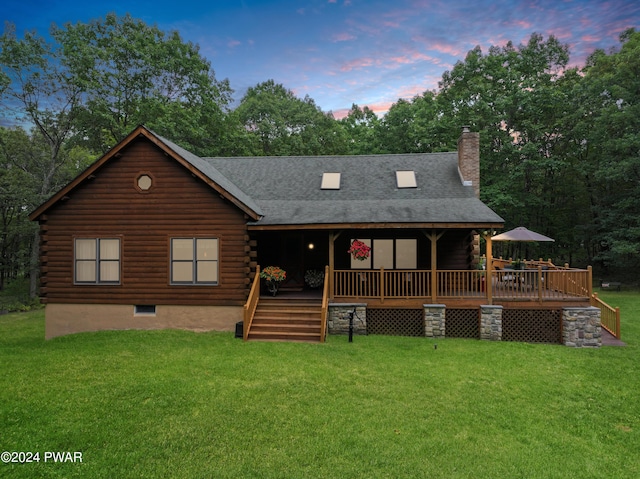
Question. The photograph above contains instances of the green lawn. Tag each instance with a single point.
(178, 404)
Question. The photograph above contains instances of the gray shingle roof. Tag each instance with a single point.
(209, 170)
(287, 189)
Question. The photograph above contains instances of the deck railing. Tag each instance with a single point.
(381, 284)
(527, 284)
(251, 305)
(609, 317)
(546, 285)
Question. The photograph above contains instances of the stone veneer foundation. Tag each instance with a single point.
(339, 315)
(581, 327)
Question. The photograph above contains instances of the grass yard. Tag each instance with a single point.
(178, 404)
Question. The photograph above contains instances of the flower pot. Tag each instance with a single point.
(272, 286)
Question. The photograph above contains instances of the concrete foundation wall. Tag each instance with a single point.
(61, 319)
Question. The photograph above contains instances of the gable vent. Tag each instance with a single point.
(330, 181)
(406, 179)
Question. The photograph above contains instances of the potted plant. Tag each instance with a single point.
(314, 278)
(273, 276)
(359, 250)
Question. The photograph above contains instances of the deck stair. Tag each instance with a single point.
(287, 319)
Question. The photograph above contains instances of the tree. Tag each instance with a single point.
(16, 232)
(607, 127)
(278, 123)
(362, 127)
(37, 90)
(520, 99)
(131, 73)
(416, 125)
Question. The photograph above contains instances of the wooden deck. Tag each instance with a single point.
(301, 315)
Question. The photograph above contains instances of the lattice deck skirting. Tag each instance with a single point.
(396, 322)
(532, 325)
(463, 323)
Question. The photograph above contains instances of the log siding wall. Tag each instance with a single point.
(111, 205)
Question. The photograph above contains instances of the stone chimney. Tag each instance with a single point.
(469, 158)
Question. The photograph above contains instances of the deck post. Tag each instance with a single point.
(434, 266)
(332, 248)
(489, 280)
(540, 283)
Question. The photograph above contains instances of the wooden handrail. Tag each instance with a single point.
(251, 305)
(325, 305)
(609, 317)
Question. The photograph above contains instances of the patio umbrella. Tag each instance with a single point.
(521, 234)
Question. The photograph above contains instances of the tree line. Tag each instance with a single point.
(560, 146)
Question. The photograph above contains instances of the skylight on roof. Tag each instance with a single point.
(330, 181)
(406, 179)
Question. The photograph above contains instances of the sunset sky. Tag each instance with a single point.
(341, 52)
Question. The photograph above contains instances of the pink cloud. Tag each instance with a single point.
(413, 56)
(589, 38)
(519, 24)
(438, 46)
(381, 107)
(341, 113)
(358, 63)
(234, 43)
(342, 37)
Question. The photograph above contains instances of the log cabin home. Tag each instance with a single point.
(151, 236)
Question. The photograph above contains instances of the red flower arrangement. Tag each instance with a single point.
(273, 273)
(359, 250)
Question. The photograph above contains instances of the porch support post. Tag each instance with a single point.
(332, 248)
(434, 237)
(489, 273)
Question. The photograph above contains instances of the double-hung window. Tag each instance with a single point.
(97, 260)
(194, 261)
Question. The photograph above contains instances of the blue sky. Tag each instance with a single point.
(340, 52)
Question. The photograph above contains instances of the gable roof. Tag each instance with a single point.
(193, 163)
(288, 190)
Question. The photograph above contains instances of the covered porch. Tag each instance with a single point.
(416, 266)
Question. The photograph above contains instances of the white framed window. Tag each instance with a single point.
(97, 260)
(194, 261)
